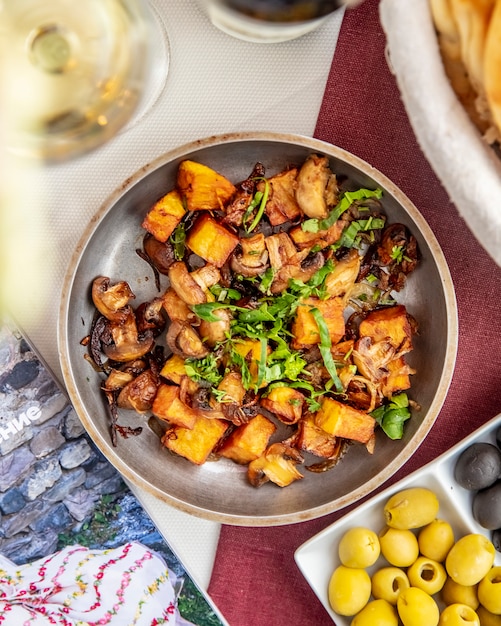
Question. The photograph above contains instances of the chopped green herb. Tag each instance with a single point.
(349, 235)
(178, 240)
(224, 293)
(266, 281)
(347, 199)
(259, 201)
(397, 254)
(220, 395)
(391, 416)
(206, 369)
(205, 310)
(325, 348)
(261, 368)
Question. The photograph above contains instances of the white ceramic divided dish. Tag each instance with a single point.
(317, 558)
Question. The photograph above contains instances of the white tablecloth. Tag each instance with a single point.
(215, 84)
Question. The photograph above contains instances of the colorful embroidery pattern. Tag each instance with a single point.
(81, 587)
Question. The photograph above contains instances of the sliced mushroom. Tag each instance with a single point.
(206, 276)
(99, 337)
(340, 281)
(398, 250)
(161, 254)
(139, 393)
(319, 240)
(316, 187)
(281, 249)
(278, 465)
(215, 332)
(282, 205)
(237, 207)
(251, 258)
(176, 308)
(149, 317)
(109, 300)
(371, 358)
(127, 344)
(184, 340)
(117, 379)
(185, 285)
(297, 269)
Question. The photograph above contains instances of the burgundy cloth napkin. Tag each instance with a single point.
(255, 581)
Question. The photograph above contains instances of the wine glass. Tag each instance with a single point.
(74, 72)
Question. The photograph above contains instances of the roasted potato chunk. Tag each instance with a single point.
(389, 324)
(196, 443)
(341, 420)
(286, 403)
(398, 378)
(249, 441)
(173, 369)
(169, 407)
(202, 187)
(211, 241)
(305, 328)
(311, 438)
(164, 216)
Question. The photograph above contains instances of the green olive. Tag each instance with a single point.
(469, 559)
(349, 590)
(359, 547)
(454, 593)
(388, 582)
(411, 508)
(399, 546)
(458, 615)
(487, 618)
(416, 608)
(376, 613)
(427, 574)
(436, 539)
(489, 590)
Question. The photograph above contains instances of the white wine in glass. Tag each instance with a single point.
(72, 72)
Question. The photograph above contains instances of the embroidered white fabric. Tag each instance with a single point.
(78, 586)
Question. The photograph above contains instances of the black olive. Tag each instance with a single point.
(478, 467)
(487, 507)
(496, 539)
(498, 436)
